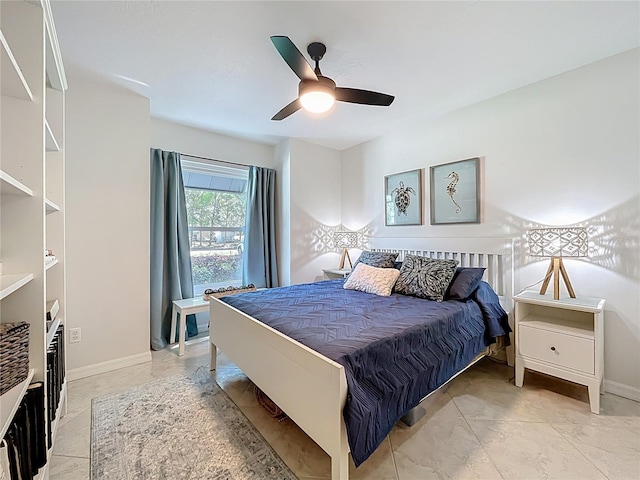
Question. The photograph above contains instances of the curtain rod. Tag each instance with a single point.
(215, 160)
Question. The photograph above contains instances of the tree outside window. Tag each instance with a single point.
(216, 235)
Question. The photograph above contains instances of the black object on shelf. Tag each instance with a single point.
(55, 378)
(35, 408)
(25, 437)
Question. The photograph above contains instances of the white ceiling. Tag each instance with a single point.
(211, 64)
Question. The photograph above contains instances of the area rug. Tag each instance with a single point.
(181, 427)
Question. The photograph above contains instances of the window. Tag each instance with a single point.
(216, 200)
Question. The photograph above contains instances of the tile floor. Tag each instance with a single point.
(482, 427)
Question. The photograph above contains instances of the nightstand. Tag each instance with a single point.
(333, 273)
(563, 338)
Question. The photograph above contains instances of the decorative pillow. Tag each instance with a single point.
(464, 282)
(365, 278)
(425, 277)
(377, 259)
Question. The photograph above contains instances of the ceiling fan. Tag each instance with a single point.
(317, 93)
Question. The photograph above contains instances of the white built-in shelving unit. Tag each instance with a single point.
(32, 186)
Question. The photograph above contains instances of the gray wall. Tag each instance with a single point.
(107, 215)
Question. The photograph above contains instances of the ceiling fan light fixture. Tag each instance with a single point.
(317, 102)
(316, 97)
(317, 93)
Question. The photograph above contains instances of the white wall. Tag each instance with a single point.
(309, 209)
(314, 209)
(558, 152)
(179, 138)
(107, 221)
(282, 159)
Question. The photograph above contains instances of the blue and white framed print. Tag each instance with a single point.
(455, 192)
(403, 198)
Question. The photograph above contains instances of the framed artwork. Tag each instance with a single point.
(455, 192)
(403, 198)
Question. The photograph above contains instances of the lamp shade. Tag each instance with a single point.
(558, 242)
(345, 239)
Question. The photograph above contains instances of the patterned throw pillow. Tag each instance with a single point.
(378, 281)
(376, 259)
(425, 277)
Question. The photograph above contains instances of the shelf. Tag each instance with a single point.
(11, 283)
(50, 141)
(50, 206)
(13, 82)
(576, 328)
(51, 263)
(10, 401)
(11, 186)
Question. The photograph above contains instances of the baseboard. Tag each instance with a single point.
(104, 367)
(622, 390)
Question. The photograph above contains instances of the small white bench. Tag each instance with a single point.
(183, 308)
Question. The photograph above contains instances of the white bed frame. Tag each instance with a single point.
(311, 388)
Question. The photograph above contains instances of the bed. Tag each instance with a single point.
(312, 387)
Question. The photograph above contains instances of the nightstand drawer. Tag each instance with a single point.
(563, 350)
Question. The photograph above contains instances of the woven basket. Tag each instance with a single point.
(228, 291)
(14, 354)
(269, 405)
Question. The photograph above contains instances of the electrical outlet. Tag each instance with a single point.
(74, 335)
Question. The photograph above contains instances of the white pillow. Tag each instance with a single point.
(366, 278)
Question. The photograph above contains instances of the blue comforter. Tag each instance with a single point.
(395, 350)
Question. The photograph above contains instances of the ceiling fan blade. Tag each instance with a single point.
(293, 107)
(365, 97)
(293, 57)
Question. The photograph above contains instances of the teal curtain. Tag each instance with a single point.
(260, 266)
(171, 277)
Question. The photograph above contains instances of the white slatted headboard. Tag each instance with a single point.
(494, 254)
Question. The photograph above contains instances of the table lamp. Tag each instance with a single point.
(558, 243)
(345, 240)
